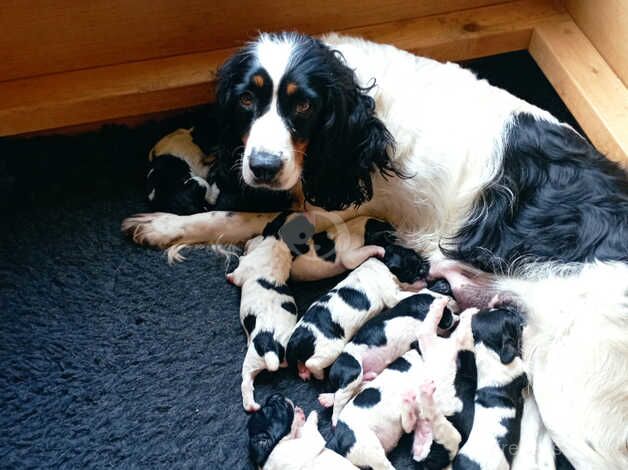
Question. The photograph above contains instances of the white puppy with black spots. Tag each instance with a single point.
(494, 437)
(332, 320)
(379, 342)
(268, 312)
(402, 399)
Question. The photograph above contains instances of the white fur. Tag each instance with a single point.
(269, 259)
(575, 348)
(306, 451)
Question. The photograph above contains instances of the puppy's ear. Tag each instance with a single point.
(511, 333)
(349, 144)
(260, 447)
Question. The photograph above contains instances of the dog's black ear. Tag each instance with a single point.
(350, 142)
(511, 335)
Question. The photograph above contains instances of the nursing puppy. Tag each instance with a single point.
(268, 312)
(379, 342)
(494, 437)
(333, 319)
(177, 177)
(280, 438)
(401, 399)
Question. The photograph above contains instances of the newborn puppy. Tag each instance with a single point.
(281, 439)
(333, 319)
(340, 248)
(498, 401)
(379, 342)
(268, 312)
(177, 177)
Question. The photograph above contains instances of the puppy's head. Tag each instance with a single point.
(268, 257)
(406, 264)
(294, 112)
(268, 426)
(499, 329)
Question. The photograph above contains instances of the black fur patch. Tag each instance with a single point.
(344, 371)
(272, 227)
(320, 316)
(249, 323)
(368, 398)
(354, 298)
(406, 264)
(268, 426)
(465, 383)
(266, 284)
(438, 458)
(324, 246)
(265, 342)
(499, 329)
(401, 364)
(462, 462)
(343, 439)
(415, 345)
(561, 461)
(570, 203)
(440, 286)
(506, 396)
(290, 307)
(377, 232)
(300, 346)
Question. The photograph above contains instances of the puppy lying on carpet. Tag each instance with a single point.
(332, 320)
(378, 343)
(281, 439)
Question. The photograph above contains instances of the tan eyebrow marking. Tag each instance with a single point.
(258, 80)
(291, 88)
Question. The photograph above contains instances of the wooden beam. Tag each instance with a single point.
(591, 90)
(605, 23)
(41, 37)
(98, 94)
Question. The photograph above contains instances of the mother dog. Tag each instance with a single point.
(468, 174)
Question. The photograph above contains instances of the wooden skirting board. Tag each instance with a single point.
(597, 99)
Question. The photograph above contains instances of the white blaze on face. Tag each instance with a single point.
(269, 132)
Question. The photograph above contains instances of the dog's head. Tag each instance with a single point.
(294, 112)
(500, 329)
(268, 426)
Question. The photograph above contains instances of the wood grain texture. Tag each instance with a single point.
(110, 92)
(605, 23)
(47, 36)
(589, 87)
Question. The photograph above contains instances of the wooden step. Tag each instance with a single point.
(109, 92)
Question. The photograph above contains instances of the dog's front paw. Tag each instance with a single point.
(157, 229)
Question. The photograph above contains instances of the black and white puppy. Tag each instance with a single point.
(268, 312)
(494, 437)
(177, 177)
(332, 320)
(401, 399)
(280, 438)
(378, 343)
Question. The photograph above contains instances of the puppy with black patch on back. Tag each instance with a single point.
(268, 312)
(401, 399)
(494, 437)
(379, 342)
(333, 319)
(177, 177)
(280, 438)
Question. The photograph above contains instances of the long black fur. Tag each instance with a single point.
(565, 202)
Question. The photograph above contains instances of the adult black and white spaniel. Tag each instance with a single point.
(464, 171)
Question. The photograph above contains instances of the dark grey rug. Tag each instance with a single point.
(108, 356)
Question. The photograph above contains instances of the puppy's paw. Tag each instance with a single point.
(326, 400)
(303, 371)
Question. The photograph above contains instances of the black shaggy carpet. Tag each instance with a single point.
(109, 357)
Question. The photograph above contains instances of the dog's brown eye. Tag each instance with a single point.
(246, 99)
(303, 106)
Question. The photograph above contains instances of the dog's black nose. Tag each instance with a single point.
(265, 165)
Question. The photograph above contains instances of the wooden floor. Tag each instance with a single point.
(589, 86)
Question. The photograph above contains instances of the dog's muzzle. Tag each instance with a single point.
(265, 165)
